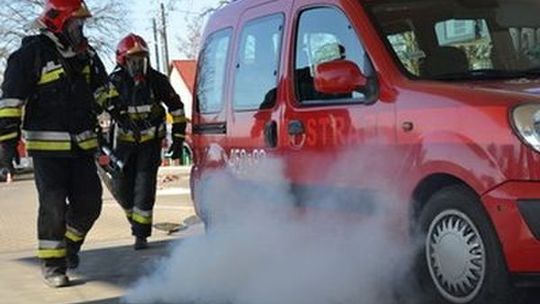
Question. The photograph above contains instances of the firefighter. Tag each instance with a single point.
(136, 99)
(55, 75)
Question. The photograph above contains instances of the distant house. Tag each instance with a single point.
(182, 78)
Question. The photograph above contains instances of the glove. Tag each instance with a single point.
(176, 150)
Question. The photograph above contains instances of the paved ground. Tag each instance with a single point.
(109, 264)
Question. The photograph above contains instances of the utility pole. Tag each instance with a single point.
(156, 44)
(164, 37)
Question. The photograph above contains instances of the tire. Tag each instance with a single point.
(198, 198)
(459, 247)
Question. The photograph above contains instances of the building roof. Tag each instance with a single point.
(186, 69)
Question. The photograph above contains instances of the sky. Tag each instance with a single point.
(142, 13)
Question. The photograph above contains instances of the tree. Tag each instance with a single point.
(16, 22)
(19, 19)
(189, 46)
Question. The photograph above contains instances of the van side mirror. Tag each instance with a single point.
(339, 77)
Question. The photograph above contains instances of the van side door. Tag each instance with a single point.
(209, 103)
(251, 130)
(332, 138)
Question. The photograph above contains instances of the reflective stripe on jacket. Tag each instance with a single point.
(59, 141)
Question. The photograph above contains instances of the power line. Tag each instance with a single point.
(186, 12)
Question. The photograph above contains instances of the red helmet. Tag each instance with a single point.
(58, 12)
(130, 45)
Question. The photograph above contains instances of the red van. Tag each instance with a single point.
(440, 97)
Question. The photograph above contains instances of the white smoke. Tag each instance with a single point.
(263, 250)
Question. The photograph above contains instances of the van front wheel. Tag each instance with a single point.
(461, 260)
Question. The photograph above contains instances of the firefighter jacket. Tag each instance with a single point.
(54, 96)
(139, 109)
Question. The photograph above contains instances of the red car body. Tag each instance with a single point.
(423, 133)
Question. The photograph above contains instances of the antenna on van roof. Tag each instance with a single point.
(221, 4)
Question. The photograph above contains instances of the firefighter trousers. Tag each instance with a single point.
(69, 193)
(136, 187)
(7, 155)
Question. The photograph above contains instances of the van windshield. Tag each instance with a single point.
(461, 39)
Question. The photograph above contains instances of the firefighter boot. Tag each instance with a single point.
(54, 277)
(56, 280)
(72, 260)
(140, 243)
(72, 257)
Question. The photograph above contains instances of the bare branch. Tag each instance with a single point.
(189, 46)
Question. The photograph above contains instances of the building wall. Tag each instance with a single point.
(182, 89)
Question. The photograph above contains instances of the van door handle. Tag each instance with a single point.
(297, 134)
(270, 134)
(296, 127)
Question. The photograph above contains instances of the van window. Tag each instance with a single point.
(461, 40)
(407, 49)
(211, 74)
(257, 64)
(325, 34)
(526, 41)
(470, 36)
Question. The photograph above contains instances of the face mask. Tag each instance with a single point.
(73, 32)
(136, 66)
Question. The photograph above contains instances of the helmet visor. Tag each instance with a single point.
(75, 34)
(136, 65)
